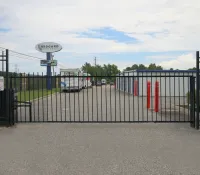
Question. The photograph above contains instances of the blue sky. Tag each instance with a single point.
(123, 33)
(108, 33)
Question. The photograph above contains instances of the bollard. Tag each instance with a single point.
(135, 87)
(156, 96)
(148, 94)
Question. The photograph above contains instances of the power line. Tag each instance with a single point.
(25, 56)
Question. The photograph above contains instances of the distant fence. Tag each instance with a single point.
(22, 81)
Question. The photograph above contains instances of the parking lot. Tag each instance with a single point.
(103, 104)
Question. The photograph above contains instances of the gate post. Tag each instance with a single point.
(197, 93)
(192, 102)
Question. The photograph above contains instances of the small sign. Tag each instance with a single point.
(48, 63)
(1, 84)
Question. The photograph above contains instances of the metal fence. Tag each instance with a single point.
(106, 103)
(126, 98)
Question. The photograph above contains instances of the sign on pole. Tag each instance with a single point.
(48, 63)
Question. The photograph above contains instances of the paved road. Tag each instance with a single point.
(101, 104)
(100, 149)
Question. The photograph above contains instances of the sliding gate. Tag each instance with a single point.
(147, 99)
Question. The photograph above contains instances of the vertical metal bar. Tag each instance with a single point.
(124, 98)
(83, 103)
(92, 101)
(110, 97)
(106, 103)
(88, 110)
(21, 98)
(38, 89)
(152, 97)
(165, 98)
(142, 97)
(34, 96)
(65, 99)
(43, 97)
(158, 100)
(79, 97)
(70, 119)
(97, 100)
(161, 95)
(25, 89)
(170, 97)
(147, 95)
(64, 78)
(188, 104)
(138, 78)
(51, 97)
(179, 89)
(198, 88)
(101, 102)
(16, 79)
(116, 84)
(29, 94)
(48, 80)
(174, 96)
(192, 102)
(75, 98)
(184, 94)
(129, 108)
(120, 97)
(7, 89)
(56, 79)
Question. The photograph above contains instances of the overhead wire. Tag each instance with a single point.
(27, 57)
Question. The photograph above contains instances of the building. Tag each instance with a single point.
(171, 82)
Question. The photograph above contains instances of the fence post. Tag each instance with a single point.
(148, 94)
(197, 93)
(156, 96)
(192, 102)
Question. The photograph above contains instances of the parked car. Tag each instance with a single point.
(103, 81)
(111, 83)
(98, 83)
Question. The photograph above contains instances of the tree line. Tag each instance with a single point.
(112, 69)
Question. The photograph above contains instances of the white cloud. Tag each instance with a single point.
(41, 21)
(181, 62)
(161, 57)
(172, 23)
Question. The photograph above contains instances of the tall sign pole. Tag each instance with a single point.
(48, 48)
(197, 91)
(49, 71)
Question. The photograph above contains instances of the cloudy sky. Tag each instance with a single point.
(123, 32)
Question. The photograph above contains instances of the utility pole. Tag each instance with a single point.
(52, 56)
(16, 68)
(95, 61)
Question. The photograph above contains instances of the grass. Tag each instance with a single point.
(34, 94)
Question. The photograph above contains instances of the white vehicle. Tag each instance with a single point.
(87, 80)
(73, 83)
(103, 81)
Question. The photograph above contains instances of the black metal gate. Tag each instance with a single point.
(6, 93)
(163, 98)
(173, 101)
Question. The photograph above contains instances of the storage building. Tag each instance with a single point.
(171, 82)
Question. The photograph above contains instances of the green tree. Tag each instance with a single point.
(142, 67)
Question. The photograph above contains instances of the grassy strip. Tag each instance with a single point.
(34, 94)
